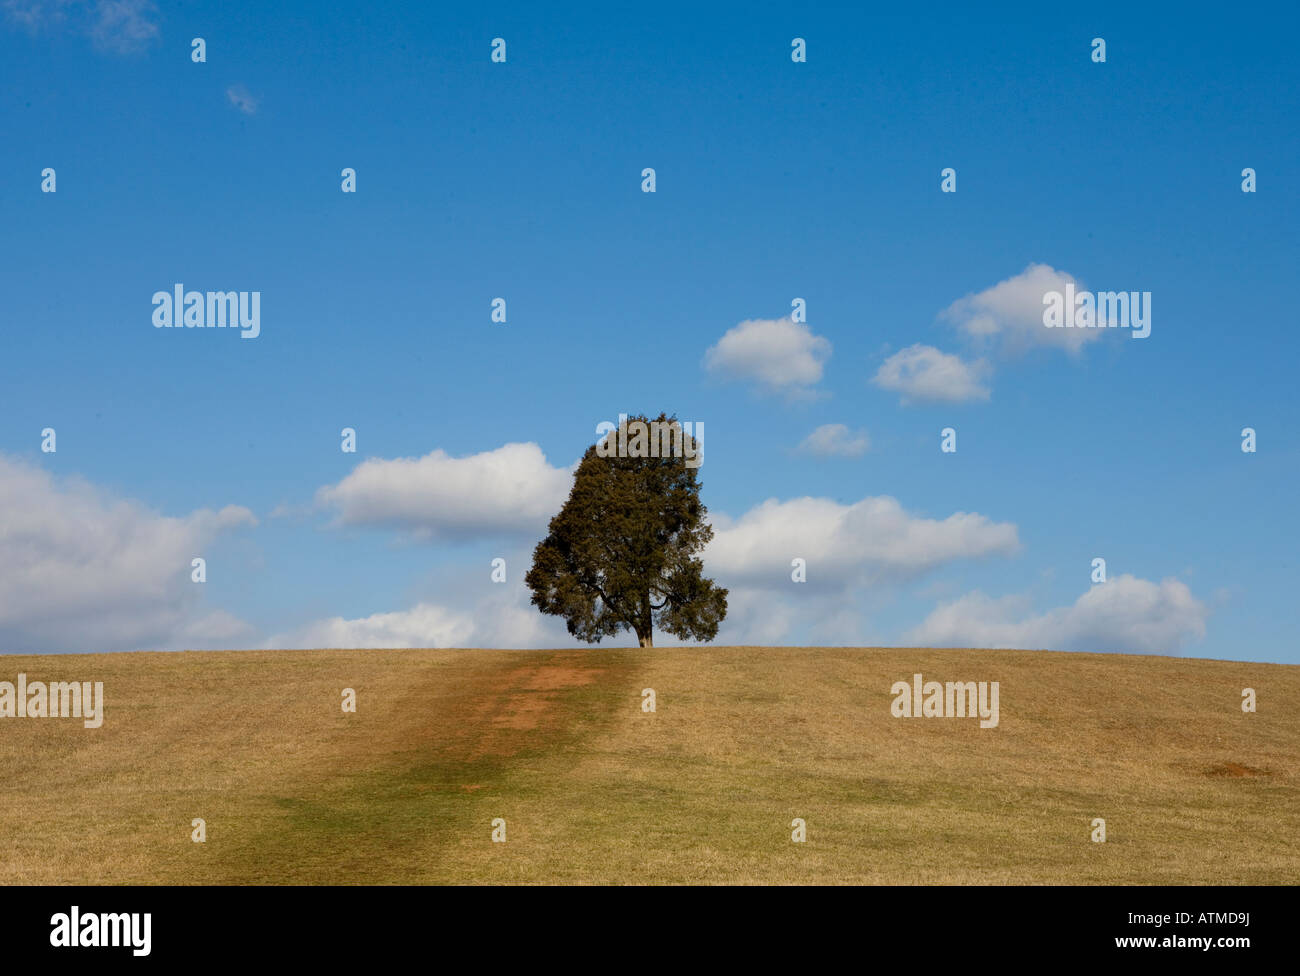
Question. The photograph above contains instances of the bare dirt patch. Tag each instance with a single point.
(556, 677)
(1234, 770)
(524, 699)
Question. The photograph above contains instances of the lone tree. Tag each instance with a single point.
(621, 553)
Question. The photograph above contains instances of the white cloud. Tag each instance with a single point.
(123, 26)
(795, 615)
(242, 99)
(503, 621)
(1009, 315)
(83, 570)
(835, 440)
(922, 372)
(35, 15)
(424, 625)
(780, 355)
(1125, 614)
(753, 617)
(844, 545)
(511, 490)
(119, 26)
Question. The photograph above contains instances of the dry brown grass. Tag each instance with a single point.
(1193, 791)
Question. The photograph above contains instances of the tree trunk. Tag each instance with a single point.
(646, 632)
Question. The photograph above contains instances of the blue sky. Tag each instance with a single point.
(775, 180)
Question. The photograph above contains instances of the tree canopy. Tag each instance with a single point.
(623, 551)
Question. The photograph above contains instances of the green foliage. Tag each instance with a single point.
(621, 553)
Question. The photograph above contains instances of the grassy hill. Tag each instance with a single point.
(704, 789)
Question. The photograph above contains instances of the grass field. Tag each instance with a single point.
(703, 790)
